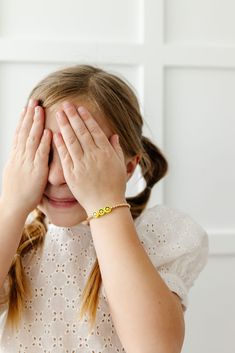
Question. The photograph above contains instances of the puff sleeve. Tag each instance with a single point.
(176, 245)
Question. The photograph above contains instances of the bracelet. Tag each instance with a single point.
(103, 211)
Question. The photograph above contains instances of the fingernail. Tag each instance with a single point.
(31, 102)
(37, 110)
(81, 110)
(66, 104)
(59, 116)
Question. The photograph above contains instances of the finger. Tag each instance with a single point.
(36, 132)
(82, 133)
(63, 152)
(42, 153)
(15, 138)
(69, 137)
(26, 124)
(93, 127)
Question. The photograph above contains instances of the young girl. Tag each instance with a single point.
(89, 255)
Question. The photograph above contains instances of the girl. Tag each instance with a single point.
(89, 255)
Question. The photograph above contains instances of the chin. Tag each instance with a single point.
(64, 219)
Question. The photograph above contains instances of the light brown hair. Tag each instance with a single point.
(119, 104)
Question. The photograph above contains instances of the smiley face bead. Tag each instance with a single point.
(102, 211)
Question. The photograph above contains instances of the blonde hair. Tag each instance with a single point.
(117, 100)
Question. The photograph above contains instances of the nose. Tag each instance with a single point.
(56, 174)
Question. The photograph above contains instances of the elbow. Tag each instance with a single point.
(175, 332)
(167, 340)
(172, 343)
(177, 343)
(174, 338)
(171, 338)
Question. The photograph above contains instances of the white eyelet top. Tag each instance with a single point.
(176, 244)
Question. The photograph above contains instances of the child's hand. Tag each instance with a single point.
(26, 172)
(93, 167)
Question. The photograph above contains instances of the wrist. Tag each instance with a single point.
(103, 211)
(98, 204)
(11, 211)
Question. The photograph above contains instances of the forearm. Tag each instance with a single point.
(144, 311)
(11, 227)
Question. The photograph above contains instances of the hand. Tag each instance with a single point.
(26, 172)
(93, 167)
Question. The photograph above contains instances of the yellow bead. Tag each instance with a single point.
(101, 211)
(108, 209)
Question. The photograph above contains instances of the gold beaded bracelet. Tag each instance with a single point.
(103, 211)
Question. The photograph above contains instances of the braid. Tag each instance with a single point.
(154, 167)
(159, 165)
(18, 284)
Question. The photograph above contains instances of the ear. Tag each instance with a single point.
(131, 164)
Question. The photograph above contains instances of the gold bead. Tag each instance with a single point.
(108, 209)
(101, 212)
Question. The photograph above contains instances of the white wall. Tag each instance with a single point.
(180, 57)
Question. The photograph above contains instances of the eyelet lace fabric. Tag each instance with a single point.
(176, 244)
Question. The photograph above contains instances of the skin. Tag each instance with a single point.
(56, 184)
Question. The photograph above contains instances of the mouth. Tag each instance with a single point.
(61, 202)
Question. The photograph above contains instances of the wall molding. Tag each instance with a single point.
(167, 55)
(61, 51)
